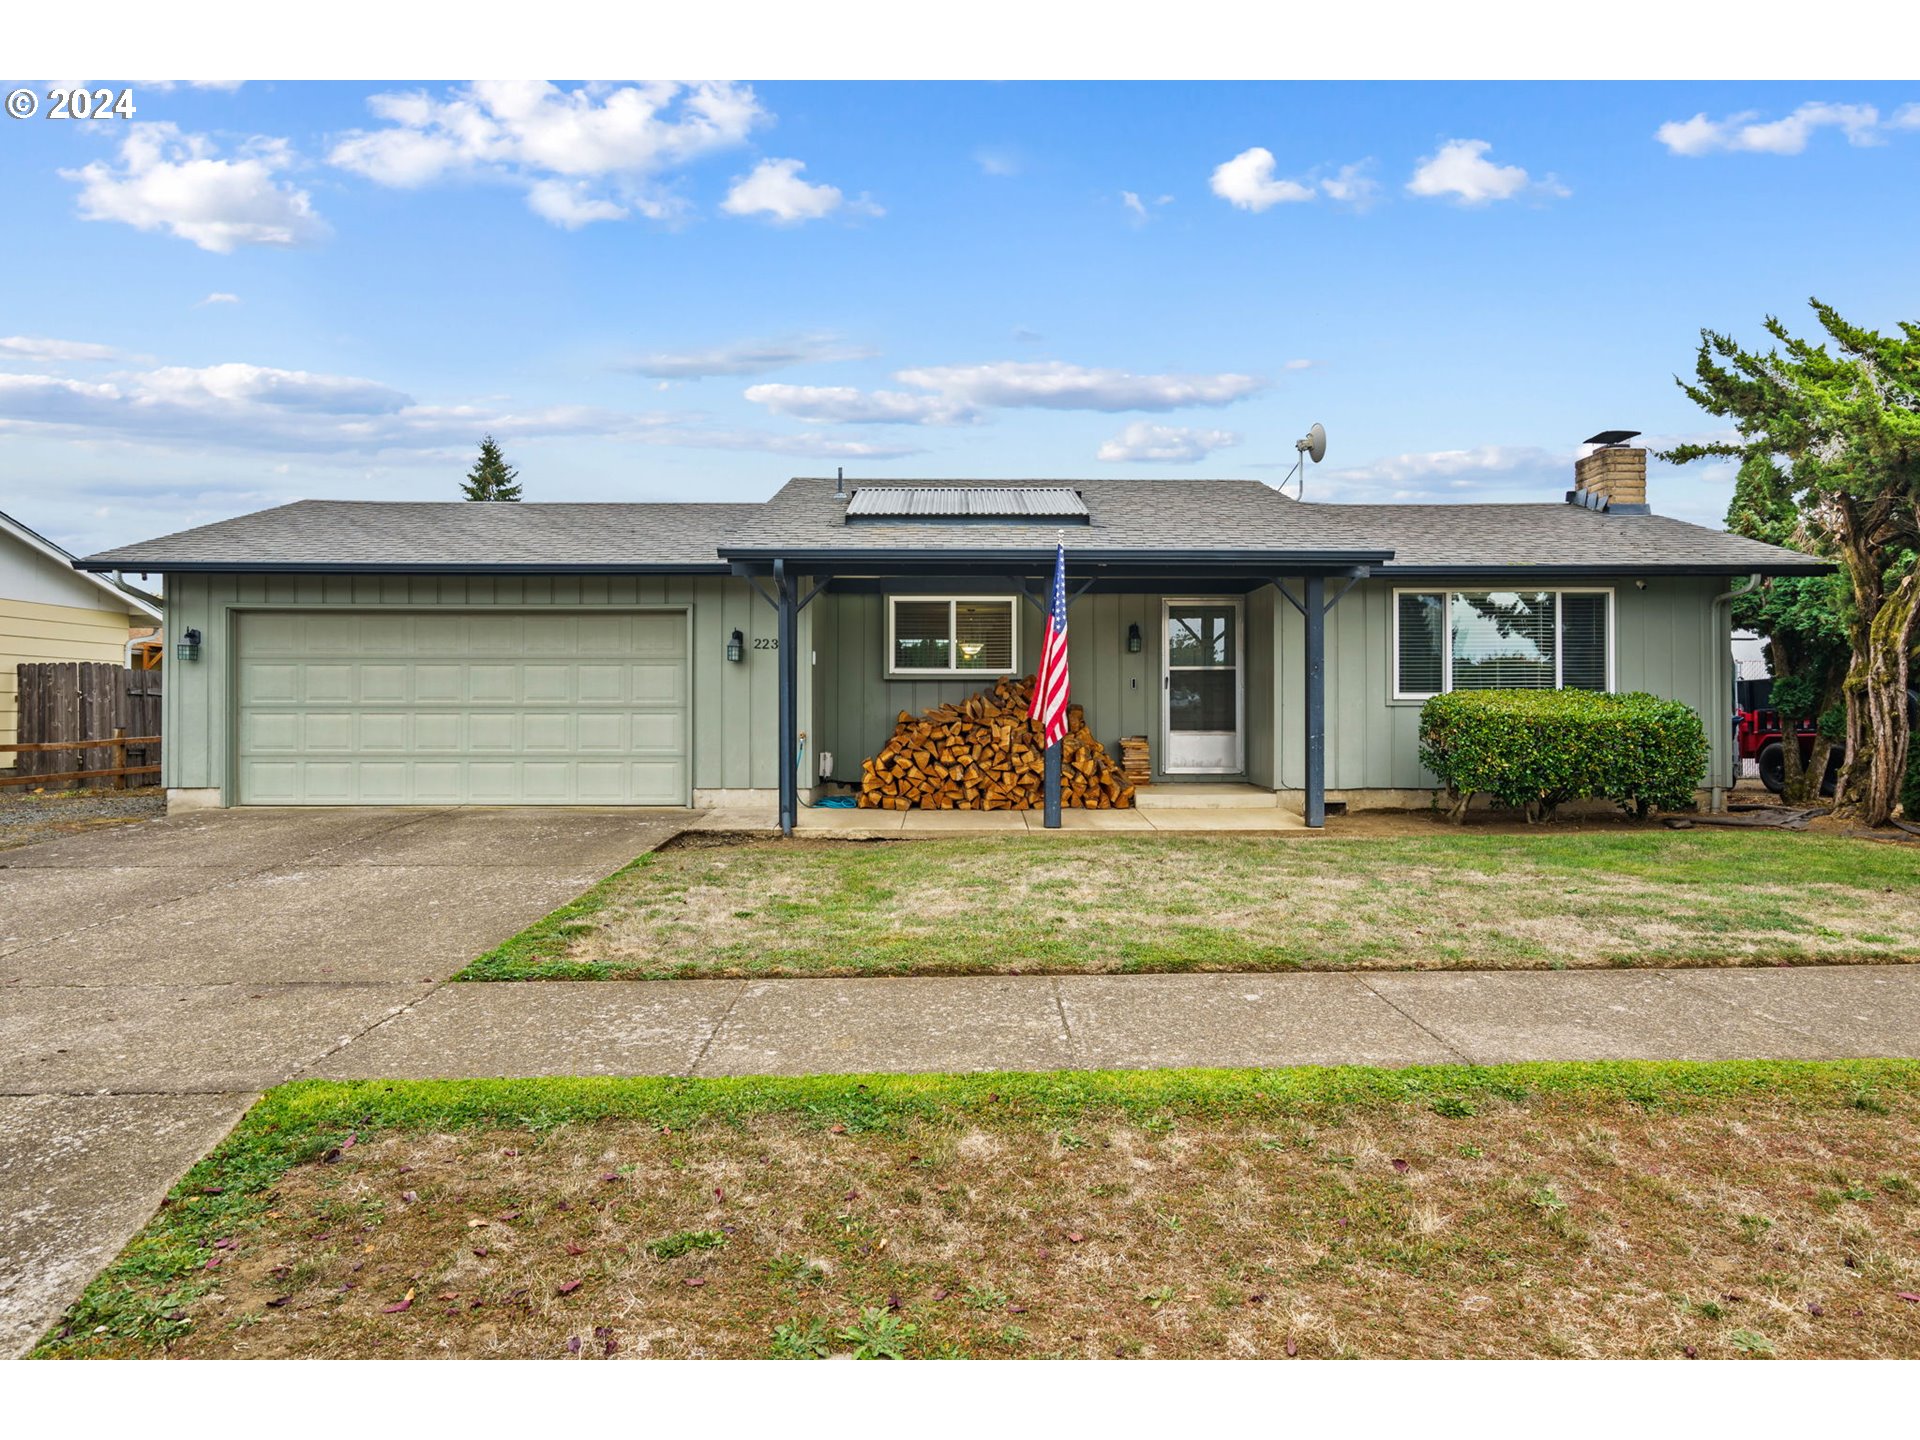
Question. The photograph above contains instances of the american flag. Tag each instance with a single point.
(1050, 688)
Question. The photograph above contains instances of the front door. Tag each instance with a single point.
(1205, 704)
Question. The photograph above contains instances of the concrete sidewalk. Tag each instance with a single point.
(797, 1027)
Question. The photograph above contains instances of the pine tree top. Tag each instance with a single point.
(491, 478)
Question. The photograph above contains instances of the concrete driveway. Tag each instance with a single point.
(154, 977)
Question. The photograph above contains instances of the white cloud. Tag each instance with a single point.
(1482, 473)
(1247, 181)
(774, 188)
(261, 409)
(997, 161)
(1142, 441)
(1786, 136)
(179, 183)
(41, 348)
(1352, 185)
(1139, 208)
(1907, 117)
(960, 394)
(844, 405)
(1132, 202)
(1055, 385)
(221, 297)
(568, 204)
(592, 153)
(746, 357)
(1460, 170)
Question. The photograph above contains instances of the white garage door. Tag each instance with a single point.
(365, 707)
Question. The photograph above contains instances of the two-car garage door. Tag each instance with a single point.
(369, 707)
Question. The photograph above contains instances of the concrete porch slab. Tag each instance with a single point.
(1204, 795)
(1081, 821)
(1203, 821)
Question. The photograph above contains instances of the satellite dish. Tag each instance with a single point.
(1313, 444)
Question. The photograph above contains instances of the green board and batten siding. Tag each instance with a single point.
(1668, 640)
(1120, 690)
(730, 714)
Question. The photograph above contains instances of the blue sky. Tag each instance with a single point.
(254, 294)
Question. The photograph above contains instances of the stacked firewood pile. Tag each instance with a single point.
(984, 753)
(1136, 761)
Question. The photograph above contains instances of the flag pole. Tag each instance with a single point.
(1051, 817)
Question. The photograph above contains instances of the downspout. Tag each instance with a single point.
(1723, 697)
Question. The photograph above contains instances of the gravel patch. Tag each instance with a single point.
(25, 819)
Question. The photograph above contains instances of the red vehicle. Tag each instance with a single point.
(1759, 735)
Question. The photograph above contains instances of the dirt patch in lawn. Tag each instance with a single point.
(1164, 903)
(1542, 1226)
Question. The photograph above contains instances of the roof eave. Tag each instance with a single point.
(1623, 568)
(1076, 556)
(341, 567)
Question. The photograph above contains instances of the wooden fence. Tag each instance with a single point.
(86, 722)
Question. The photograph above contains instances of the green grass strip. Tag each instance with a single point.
(162, 1268)
(524, 957)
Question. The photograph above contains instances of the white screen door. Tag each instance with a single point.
(1203, 688)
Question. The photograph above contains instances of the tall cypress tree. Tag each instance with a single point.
(1844, 424)
(491, 477)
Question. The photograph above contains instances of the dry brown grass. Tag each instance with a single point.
(1549, 1227)
(1119, 903)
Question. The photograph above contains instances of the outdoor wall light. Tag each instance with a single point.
(736, 646)
(1133, 639)
(189, 646)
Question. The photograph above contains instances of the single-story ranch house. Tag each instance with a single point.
(403, 653)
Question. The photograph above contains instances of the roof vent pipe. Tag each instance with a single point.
(840, 482)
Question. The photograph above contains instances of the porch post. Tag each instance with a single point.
(1051, 816)
(1315, 622)
(789, 612)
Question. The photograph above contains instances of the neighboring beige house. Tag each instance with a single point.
(51, 611)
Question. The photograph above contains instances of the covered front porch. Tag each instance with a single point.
(1195, 809)
(1186, 651)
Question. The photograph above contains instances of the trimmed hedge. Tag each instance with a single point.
(1533, 750)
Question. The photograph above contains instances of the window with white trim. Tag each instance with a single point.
(952, 635)
(1501, 640)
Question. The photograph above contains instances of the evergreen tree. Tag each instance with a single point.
(1842, 426)
(491, 477)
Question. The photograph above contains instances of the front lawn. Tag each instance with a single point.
(1726, 1210)
(1114, 903)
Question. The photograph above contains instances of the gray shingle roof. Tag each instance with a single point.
(1128, 518)
(1560, 536)
(457, 534)
(1143, 517)
(1151, 517)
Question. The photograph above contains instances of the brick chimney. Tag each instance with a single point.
(1612, 477)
